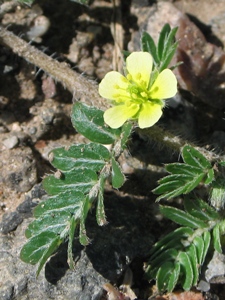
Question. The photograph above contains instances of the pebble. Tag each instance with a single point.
(11, 142)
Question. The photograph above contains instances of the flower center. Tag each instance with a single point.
(137, 94)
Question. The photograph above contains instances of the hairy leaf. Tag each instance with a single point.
(174, 276)
(148, 45)
(90, 156)
(89, 122)
(37, 246)
(192, 254)
(200, 209)
(163, 276)
(199, 245)
(186, 268)
(207, 240)
(216, 239)
(181, 217)
(126, 132)
(79, 179)
(162, 40)
(170, 240)
(118, 178)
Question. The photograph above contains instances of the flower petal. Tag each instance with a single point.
(116, 116)
(165, 85)
(150, 114)
(139, 66)
(113, 85)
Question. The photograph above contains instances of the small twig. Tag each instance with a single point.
(117, 33)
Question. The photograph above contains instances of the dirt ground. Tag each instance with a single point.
(35, 109)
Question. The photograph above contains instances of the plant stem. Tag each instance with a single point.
(173, 142)
(77, 84)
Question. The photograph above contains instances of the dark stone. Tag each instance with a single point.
(10, 221)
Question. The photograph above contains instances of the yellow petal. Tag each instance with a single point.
(113, 84)
(116, 116)
(165, 85)
(139, 66)
(149, 114)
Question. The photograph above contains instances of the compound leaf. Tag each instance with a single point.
(185, 176)
(71, 195)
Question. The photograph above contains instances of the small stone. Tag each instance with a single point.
(11, 142)
(10, 221)
(33, 130)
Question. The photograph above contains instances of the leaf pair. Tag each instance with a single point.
(164, 51)
(185, 176)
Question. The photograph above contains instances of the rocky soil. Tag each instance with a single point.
(35, 118)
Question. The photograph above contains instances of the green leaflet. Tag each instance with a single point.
(200, 209)
(89, 122)
(37, 247)
(187, 274)
(148, 45)
(182, 218)
(163, 275)
(192, 254)
(118, 178)
(100, 211)
(185, 176)
(170, 240)
(162, 40)
(125, 134)
(216, 238)
(90, 156)
(79, 179)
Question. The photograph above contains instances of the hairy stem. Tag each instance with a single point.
(173, 142)
(77, 84)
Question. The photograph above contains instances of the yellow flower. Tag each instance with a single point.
(131, 95)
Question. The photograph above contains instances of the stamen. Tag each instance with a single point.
(129, 77)
(144, 95)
